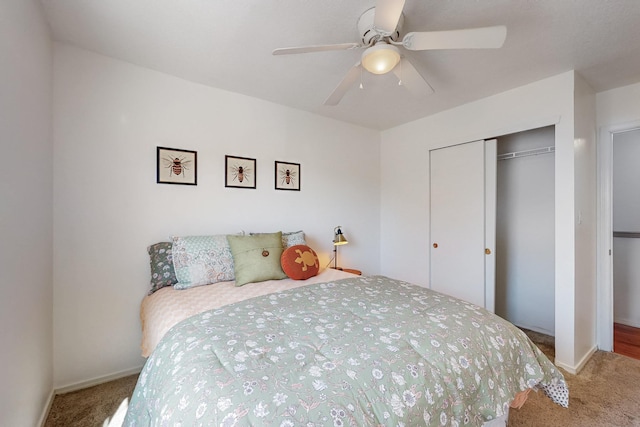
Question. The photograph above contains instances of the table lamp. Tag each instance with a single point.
(338, 239)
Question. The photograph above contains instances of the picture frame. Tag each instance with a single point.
(287, 176)
(176, 166)
(240, 172)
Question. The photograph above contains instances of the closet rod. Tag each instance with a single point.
(629, 234)
(525, 153)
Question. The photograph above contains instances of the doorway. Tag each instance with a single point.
(525, 232)
(617, 275)
(626, 243)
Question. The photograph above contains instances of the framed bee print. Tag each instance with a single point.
(240, 172)
(176, 166)
(287, 176)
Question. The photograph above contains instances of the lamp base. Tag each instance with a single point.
(349, 270)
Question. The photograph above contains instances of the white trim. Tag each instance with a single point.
(604, 291)
(82, 385)
(627, 322)
(604, 288)
(46, 409)
(98, 380)
(536, 329)
(576, 369)
(506, 130)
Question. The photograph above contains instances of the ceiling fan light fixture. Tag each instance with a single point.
(381, 58)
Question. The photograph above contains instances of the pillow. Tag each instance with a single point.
(257, 258)
(293, 238)
(201, 260)
(289, 239)
(161, 263)
(300, 262)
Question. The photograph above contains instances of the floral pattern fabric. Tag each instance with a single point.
(293, 238)
(360, 351)
(289, 238)
(161, 263)
(202, 260)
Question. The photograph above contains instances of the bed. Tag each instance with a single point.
(168, 306)
(336, 349)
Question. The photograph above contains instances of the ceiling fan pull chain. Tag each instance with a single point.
(361, 87)
(401, 75)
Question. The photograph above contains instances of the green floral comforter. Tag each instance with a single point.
(364, 351)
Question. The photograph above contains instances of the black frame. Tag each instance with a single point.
(287, 176)
(164, 156)
(241, 170)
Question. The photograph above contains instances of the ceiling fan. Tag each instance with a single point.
(380, 28)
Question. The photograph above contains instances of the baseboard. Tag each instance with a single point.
(627, 322)
(536, 329)
(46, 409)
(576, 369)
(98, 380)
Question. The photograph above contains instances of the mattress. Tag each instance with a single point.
(167, 306)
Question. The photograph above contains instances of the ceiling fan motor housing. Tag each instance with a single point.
(369, 34)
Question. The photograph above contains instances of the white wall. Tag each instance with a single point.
(525, 232)
(404, 189)
(626, 205)
(26, 369)
(618, 106)
(585, 174)
(109, 117)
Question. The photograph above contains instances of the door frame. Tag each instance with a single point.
(604, 265)
(490, 218)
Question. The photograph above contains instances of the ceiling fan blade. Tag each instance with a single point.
(344, 85)
(473, 38)
(387, 15)
(411, 79)
(316, 48)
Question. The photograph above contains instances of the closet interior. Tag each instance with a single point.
(525, 229)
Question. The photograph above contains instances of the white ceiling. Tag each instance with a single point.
(227, 44)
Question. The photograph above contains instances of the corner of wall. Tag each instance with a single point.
(47, 408)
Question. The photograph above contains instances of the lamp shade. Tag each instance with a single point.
(381, 58)
(338, 238)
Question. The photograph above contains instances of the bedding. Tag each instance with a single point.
(168, 306)
(289, 238)
(355, 351)
(161, 264)
(300, 262)
(201, 260)
(257, 258)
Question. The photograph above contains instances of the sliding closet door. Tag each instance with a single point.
(461, 254)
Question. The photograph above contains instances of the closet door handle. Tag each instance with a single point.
(487, 251)
(435, 245)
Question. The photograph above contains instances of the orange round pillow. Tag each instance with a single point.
(300, 262)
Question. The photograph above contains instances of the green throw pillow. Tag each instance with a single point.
(257, 258)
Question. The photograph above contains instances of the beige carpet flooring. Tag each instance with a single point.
(91, 407)
(606, 393)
